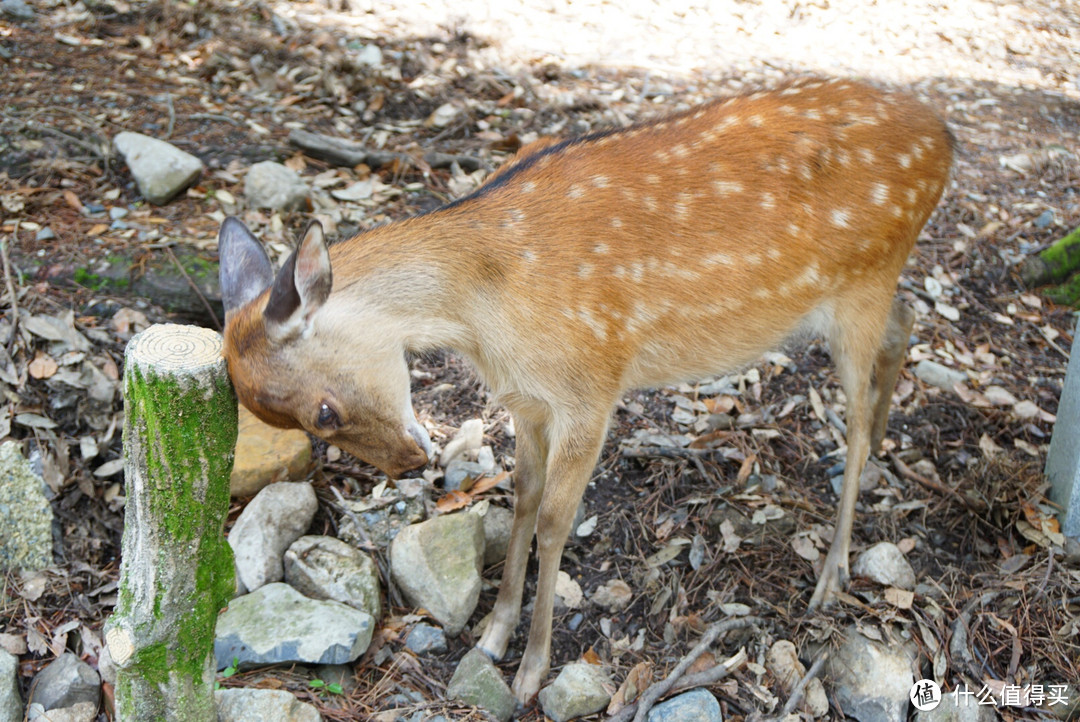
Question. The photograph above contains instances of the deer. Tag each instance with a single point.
(671, 250)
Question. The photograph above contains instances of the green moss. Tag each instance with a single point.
(1066, 294)
(187, 434)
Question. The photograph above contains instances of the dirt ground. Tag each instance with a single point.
(226, 81)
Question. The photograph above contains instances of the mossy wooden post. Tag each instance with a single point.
(177, 569)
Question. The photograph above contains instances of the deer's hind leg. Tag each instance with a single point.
(864, 331)
(887, 366)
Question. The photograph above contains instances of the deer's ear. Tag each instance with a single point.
(302, 285)
(245, 270)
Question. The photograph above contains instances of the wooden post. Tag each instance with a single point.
(177, 568)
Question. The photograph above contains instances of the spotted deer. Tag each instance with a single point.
(663, 252)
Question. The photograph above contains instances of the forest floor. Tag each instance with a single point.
(226, 80)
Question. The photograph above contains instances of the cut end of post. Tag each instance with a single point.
(120, 645)
(176, 350)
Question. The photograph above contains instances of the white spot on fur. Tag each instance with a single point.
(616, 223)
(879, 193)
(904, 160)
(529, 256)
(600, 248)
(600, 181)
(768, 201)
(652, 178)
(724, 187)
(528, 186)
(911, 195)
(680, 151)
(756, 120)
(650, 204)
(584, 270)
(718, 259)
(841, 217)
(866, 155)
(575, 191)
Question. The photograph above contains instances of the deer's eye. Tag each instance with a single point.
(328, 419)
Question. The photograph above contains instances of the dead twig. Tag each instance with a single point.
(12, 298)
(194, 287)
(800, 689)
(907, 472)
(678, 675)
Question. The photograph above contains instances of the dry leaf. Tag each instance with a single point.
(591, 657)
(899, 598)
(97, 229)
(488, 482)
(43, 366)
(452, 501)
(13, 643)
(804, 546)
(639, 678)
(731, 539)
(568, 590)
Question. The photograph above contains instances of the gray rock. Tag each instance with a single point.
(25, 515)
(426, 639)
(16, 10)
(277, 516)
(66, 681)
(262, 705)
(935, 374)
(341, 674)
(272, 185)
(81, 712)
(580, 689)
(476, 681)
(322, 567)
(885, 564)
(459, 471)
(278, 624)
(11, 704)
(160, 169)
(784, 664)
(697, 705)
(498, 521)
(379, 521)
(870, 680)
(437, 565)
(955, 709)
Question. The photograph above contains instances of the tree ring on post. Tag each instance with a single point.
(177, 350)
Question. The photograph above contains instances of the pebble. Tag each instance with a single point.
(697, 705)
(273, 185)
(478, 682)
(322, 567)
(870, 680)
(45, 234)
(246, 704)
(581, 689)
(160, 169)
(936, 374)
(426, 639)
(885, 564)
(65, 682)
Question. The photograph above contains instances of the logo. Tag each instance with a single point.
(925, 695)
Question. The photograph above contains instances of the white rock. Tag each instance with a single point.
(274, 519)
(936, 374)
(437, 565)
(160, 169)
(580, 689)
(870, 680)
(470, 437)
(276, 624)
(322, 567)
(885, 564)
(783, 662)
(11, 704)
(272, 185)
(262, 705)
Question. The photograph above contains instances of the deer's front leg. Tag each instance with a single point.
(569, 467)
(529, 471)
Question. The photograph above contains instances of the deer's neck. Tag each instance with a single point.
(423, 282)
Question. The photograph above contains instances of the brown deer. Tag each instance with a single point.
(667, 251)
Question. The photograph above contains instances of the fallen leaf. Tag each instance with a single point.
(43, 366)
(615, 595)
(13, 643)
(568, 590)
(488, 482)
(97, 229)
(804, 546)
(637, 680)
(452, 501)
(591, 657)
(899, 598)
(731, 539)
